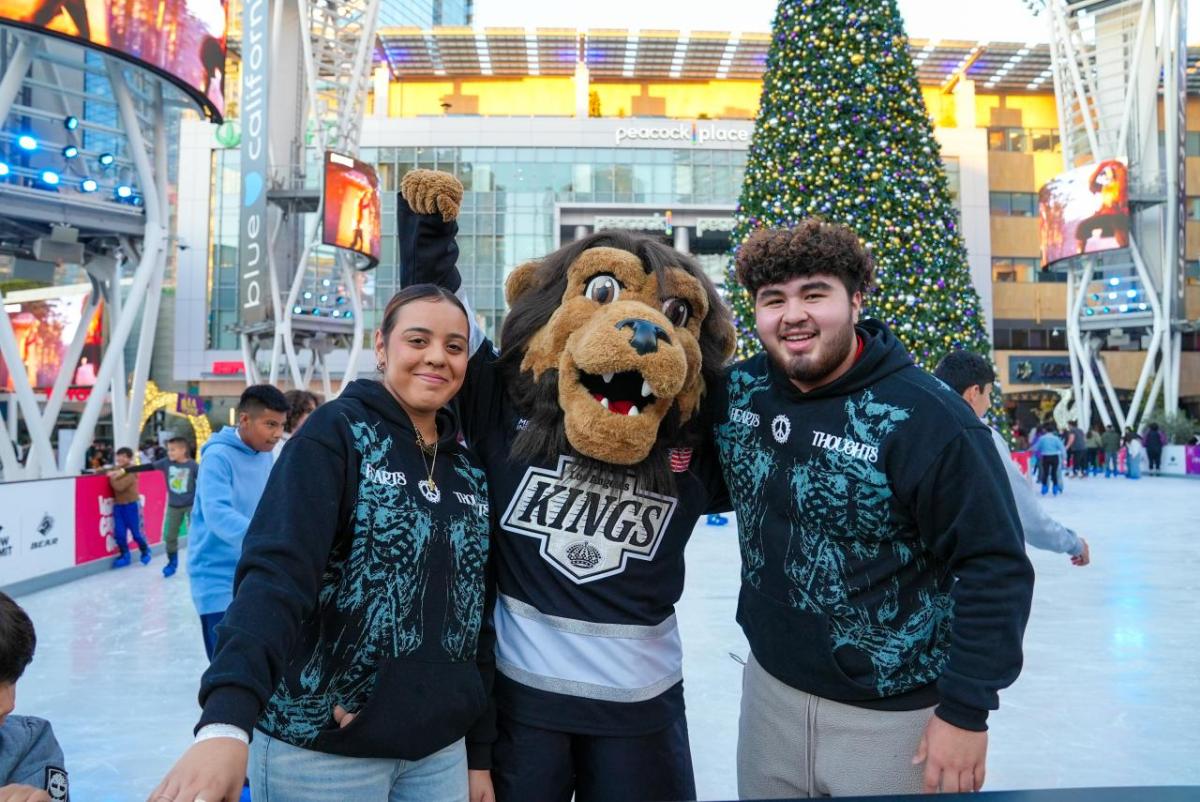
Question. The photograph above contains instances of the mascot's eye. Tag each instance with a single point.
(603, 289)
(678, 311)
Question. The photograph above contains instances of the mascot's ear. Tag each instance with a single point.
(432, 192)
(519, 282)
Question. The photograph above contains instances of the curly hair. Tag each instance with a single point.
(776, 255)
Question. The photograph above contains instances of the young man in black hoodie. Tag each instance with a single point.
(885, 586)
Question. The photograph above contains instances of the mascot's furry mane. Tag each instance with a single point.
(544, 436)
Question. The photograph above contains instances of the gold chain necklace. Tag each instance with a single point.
(429, 487)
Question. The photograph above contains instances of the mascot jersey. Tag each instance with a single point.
(588, 570)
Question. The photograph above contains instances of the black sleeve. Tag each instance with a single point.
(482, 736)
(428, 249)
(478, 403)
(966, 515)
(708, 469)
(277, 582)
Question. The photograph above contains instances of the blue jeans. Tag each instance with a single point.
(1110, 463)
(208, 628)
(127, 520)
(280, 772)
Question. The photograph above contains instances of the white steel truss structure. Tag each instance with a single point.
(337, 42)
(1107, 56)
(128, 276)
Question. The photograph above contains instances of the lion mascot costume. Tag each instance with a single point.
(592, 427)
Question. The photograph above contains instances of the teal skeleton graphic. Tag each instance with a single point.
(383, 578)
(842, 514)
(739, 448)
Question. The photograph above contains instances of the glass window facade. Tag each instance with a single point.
(1014, 204)
(1024, 140)
(507, 216)
(426, 13)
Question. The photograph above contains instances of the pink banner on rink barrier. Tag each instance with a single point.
(94, 514)
(1193, 459)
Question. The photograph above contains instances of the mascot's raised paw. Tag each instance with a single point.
(432, 192)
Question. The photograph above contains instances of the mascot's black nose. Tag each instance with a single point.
(645, 334)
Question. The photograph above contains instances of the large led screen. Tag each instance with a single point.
(1085, 210)
(182, 39)
(44, 330)
(352, 206)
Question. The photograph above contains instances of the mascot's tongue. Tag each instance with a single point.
(619, 407)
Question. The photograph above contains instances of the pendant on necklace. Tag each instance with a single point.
(430, 491)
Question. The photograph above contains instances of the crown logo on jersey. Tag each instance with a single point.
(584, 555)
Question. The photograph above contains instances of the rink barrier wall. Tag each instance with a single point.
(58, 530)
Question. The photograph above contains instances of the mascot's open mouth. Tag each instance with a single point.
(624, 393)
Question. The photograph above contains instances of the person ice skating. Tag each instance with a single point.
(301, 404)
(1094, 444)
(1154, 442)
(1134, 452)
(885, 585)
(1076, 443)
(972, 376)
(1110, 441)
(1052, 456)
(127, 513)
(179, 469)
(233, 472)
(31, 761)
(352, 651)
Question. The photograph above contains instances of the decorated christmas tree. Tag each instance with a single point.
(843, 134)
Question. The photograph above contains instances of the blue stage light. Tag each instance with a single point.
(3, 169)
(335, 313)
(50, 177)
(88, 185)
(124, 192)
(26, 142)
(70, 152)
(1114, 281)
(71, 123)
(297, 310)
(1131, 293)
(106, 159)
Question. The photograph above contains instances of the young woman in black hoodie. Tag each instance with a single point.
(352, 651)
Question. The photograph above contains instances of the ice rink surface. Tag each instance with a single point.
(1110, 694)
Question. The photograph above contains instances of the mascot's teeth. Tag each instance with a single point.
(633, 411)
(607, 377)
(646, 391)
(604, 403)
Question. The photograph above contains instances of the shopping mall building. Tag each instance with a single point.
(558, 133)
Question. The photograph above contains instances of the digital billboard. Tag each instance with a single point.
(352, 206)
(182, 39)
(1085, 210)
(44, 329)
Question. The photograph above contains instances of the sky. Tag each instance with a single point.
(996, 20)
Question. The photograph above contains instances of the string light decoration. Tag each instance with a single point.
(843, 134)
(156, 399)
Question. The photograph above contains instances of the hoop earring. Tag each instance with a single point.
(379, 366)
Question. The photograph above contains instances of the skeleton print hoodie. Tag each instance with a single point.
(362, 584)
(883, 564)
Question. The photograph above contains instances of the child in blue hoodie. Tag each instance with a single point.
(234, 468)
(1051, 453)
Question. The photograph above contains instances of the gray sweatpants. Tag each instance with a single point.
(794, 744)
